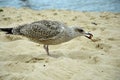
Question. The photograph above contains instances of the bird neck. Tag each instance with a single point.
(72, 33)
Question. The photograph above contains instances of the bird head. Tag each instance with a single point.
(81, 32)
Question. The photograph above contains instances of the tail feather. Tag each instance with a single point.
(7, 30)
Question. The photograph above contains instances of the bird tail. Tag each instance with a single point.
(7, 30)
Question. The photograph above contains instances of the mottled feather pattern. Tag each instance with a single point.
(42, 30)
(47, 32)
(17, 30)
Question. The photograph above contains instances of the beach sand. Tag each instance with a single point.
(78, 59)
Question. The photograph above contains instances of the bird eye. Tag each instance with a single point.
(80, 30)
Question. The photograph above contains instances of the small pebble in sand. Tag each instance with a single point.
(44, 65)
(94, 23)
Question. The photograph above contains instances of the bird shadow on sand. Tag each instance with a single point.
(56, 55)
(36, 58)
(53, 54)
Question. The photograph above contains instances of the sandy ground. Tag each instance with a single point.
(78, 59)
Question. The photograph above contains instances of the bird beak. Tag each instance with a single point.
(88, 35)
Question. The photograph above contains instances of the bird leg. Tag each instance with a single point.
(46, 49)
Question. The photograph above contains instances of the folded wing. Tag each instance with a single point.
(43, 30)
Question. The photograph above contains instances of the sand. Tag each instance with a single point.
(78, 59)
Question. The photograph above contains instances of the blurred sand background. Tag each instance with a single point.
(78, 59)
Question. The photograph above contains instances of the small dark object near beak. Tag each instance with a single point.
(89, 35)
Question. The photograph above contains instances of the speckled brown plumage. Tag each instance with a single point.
(47, 32)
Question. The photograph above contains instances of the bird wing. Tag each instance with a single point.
(43, 30)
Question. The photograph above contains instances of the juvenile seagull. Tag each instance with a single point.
(47, 32)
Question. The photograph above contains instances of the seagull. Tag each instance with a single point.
(47, 32)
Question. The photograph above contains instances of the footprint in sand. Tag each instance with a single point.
(74, 19)
(96, 39)
(103, 46)
(113, 39)
(35, 60)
